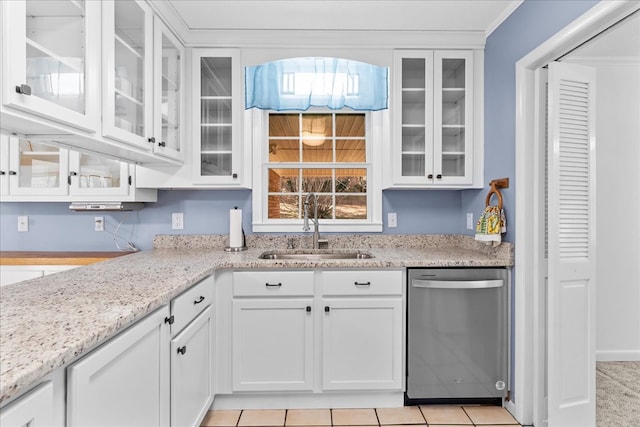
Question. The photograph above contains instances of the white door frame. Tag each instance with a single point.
(528, 390)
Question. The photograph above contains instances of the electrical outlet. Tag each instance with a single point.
(177, 221)
(98, 223)
(23, 223)
(392, 220)
(469, 221)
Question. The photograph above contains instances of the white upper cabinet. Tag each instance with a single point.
(32, 171)
(217, 101)
(52, 60)
(168, 92)
(32, 168)
(128, 73)
(436, 111)
(92, 176)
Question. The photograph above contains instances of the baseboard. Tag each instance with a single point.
(309, 400)
(618, 356)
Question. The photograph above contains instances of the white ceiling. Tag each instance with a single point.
(386, 15)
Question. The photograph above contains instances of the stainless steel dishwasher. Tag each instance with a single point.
(458, 333)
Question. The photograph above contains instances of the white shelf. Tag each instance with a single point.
(128, 97)
(202, 152)
(452, 95)
(52, 54)
(128, 46)
(219, 98)
(453, 153)
(212, 125)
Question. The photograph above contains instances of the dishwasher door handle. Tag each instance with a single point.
(457, 284)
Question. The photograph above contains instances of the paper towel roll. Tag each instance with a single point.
(236, 235)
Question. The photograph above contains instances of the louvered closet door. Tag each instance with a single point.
(571, 294)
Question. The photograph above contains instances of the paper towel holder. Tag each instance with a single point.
(244, 241)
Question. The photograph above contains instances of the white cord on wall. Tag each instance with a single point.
(129, 246)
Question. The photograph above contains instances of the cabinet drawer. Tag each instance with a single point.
(362, 282)
(186, 306)
(272, 283)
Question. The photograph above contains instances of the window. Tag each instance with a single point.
(317, 126)
(325, 152)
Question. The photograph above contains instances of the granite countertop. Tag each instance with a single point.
(48, 322)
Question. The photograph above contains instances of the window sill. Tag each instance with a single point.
(324, 228)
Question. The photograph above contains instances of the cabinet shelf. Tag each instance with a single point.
(77, 66)
(453, 153)
(452, 95)
(452, 130)
(216, 97)
(216, 124)
(128, 97)
(129, 47)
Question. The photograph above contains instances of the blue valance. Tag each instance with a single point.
(301, 83)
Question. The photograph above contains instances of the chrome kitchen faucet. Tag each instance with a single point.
(318, 243)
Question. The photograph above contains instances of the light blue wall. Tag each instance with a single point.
(53, 227)
(527, 27)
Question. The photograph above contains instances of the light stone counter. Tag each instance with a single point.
(48, 322)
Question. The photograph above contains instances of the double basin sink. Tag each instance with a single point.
(314, 254)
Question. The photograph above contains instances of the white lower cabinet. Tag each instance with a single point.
(280, 317)
(273, 344)
(362, 344)
(35, 408)
(362, 330)
(125, 381)
(191, 371)
(273, 332)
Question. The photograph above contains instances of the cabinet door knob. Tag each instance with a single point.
(24, 89)
(3, 173)
(169, 319)
(162, 144)
(234, 175)
(152, 140)
(13, 173)
(182, 350)
(308, 309)
(439, 176)
(430, 176)
(326, 309)
(199, 300)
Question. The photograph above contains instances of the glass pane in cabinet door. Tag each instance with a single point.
(215, 164)
(171, 61)
(98, 172)
(413, 165)
(55, 41)
(129, 67)
(39, 165)
(215, 77)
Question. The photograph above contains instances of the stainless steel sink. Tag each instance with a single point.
(314, 255)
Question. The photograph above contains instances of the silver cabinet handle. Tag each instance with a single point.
(457, 284)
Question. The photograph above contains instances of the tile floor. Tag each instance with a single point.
(432, 415)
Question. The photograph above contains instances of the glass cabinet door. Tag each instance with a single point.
(93, 175)
(129, 61)
(169, 75)
(217, 115)
(453, 113)
(53, 58)
(36, 168)
(417, 144)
